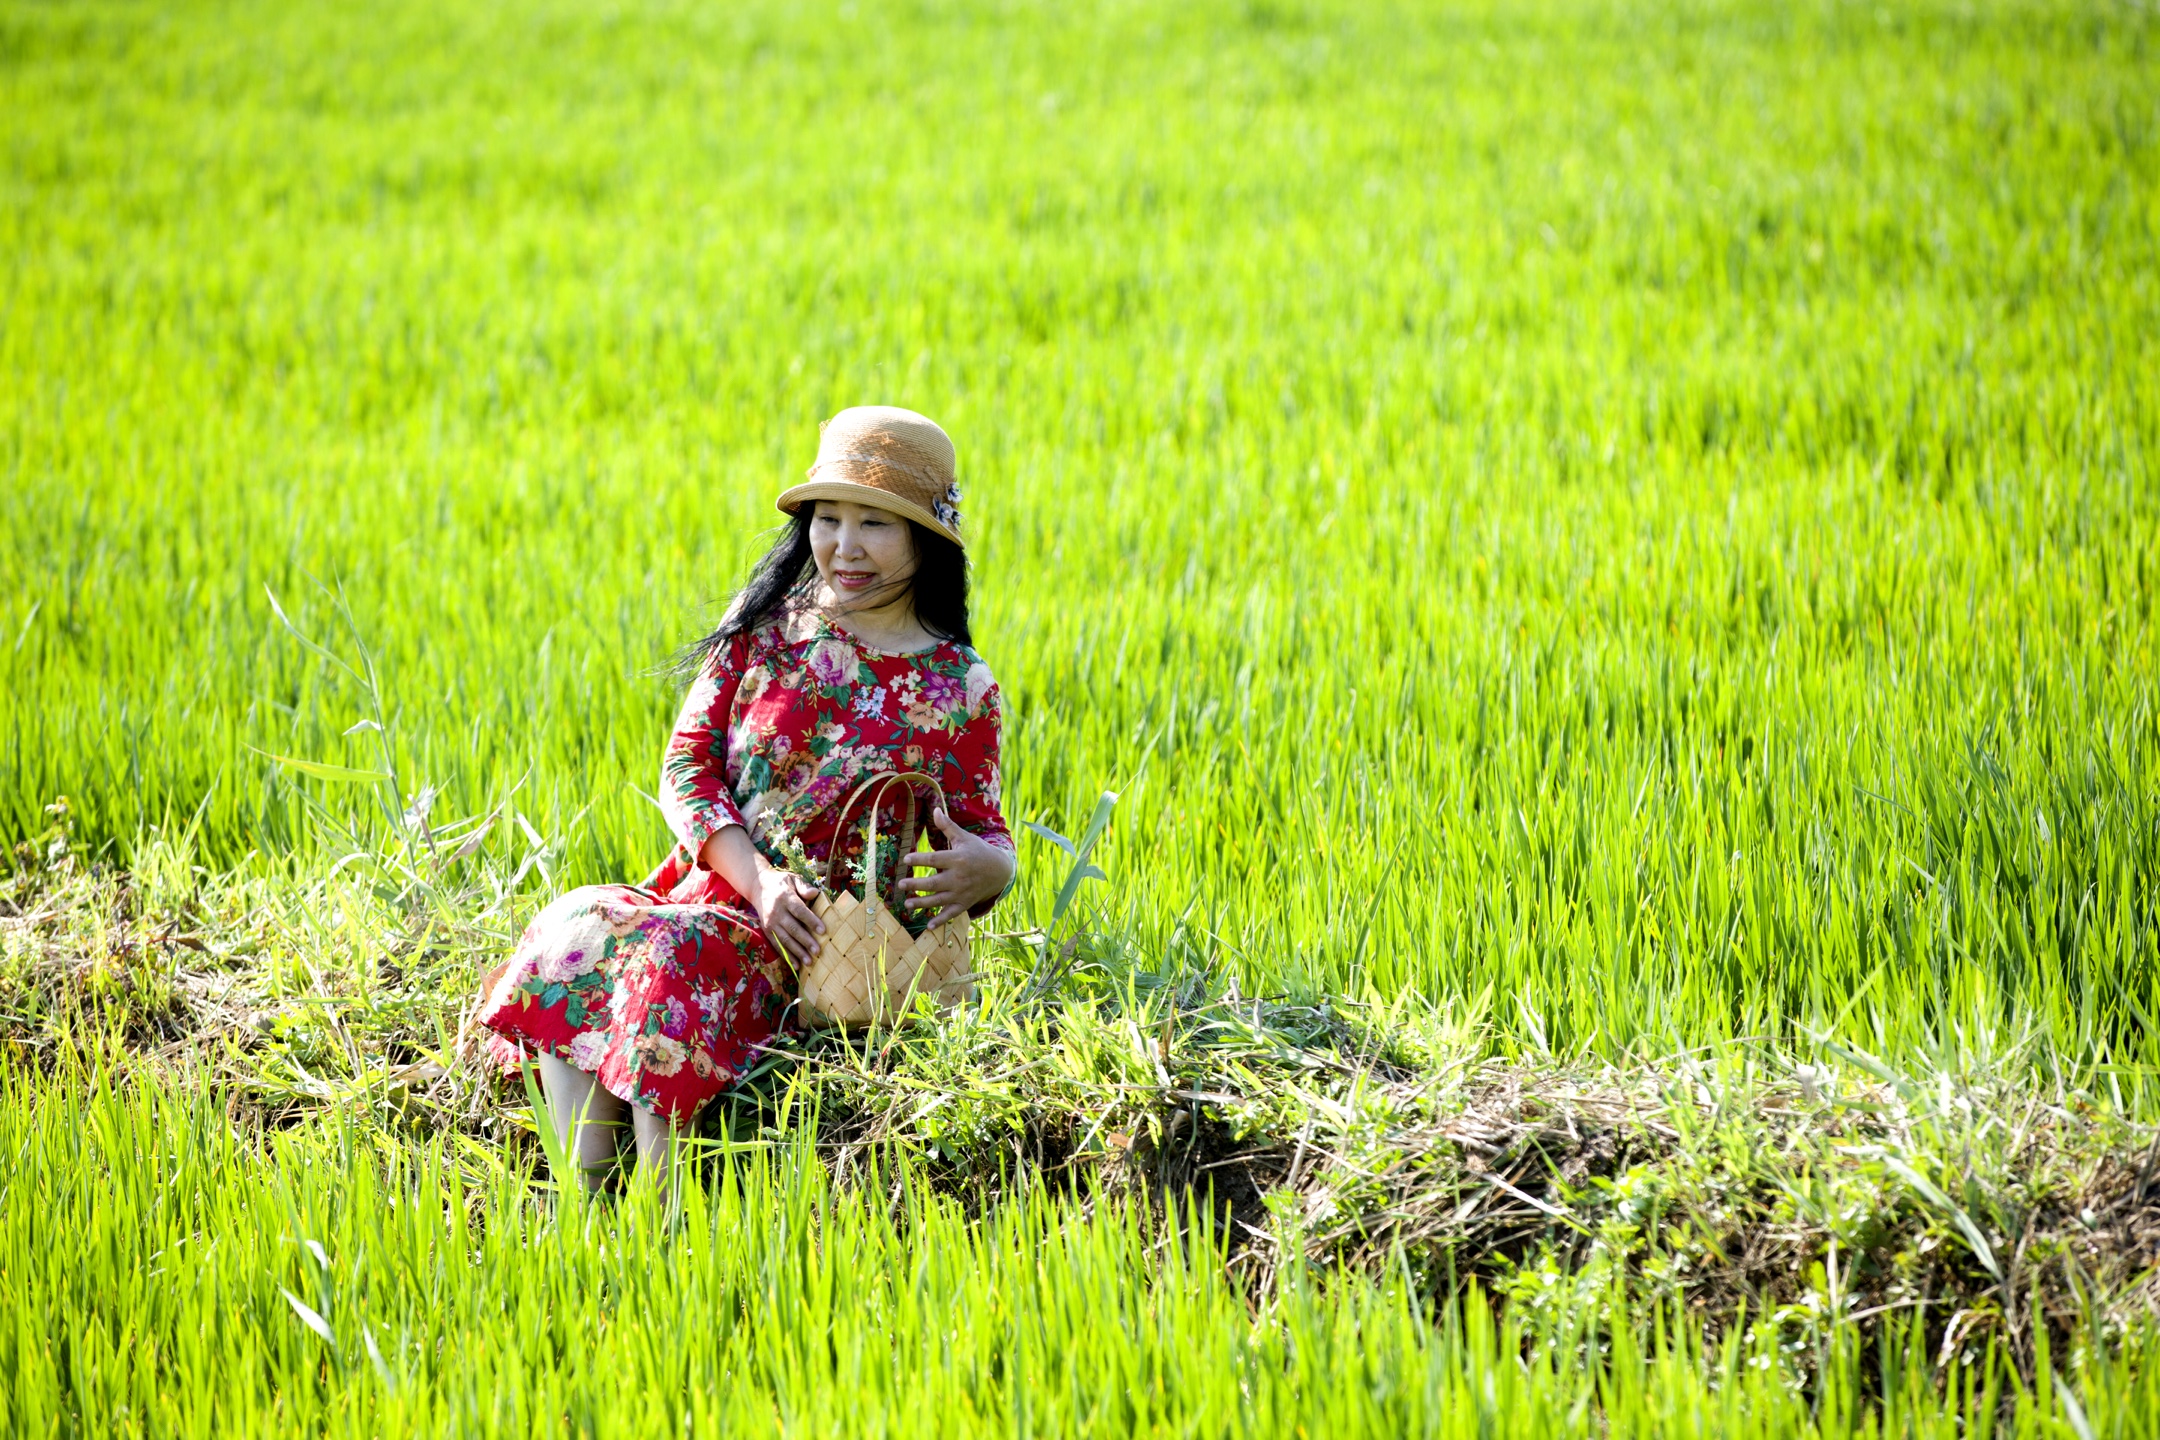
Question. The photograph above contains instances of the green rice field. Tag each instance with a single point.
(1607, 533)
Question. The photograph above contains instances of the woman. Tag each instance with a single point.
(846, 655)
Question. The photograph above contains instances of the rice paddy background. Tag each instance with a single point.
(1633, 524)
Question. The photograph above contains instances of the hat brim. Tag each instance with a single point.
(793, 498)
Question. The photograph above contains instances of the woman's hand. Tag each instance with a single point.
(783, 906)
(782, 900)
(969, 870)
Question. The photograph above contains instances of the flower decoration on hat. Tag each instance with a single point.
(947, 507)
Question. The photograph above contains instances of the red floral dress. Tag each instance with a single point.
(664, 990)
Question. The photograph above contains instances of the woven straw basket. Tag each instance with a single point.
(870, 968)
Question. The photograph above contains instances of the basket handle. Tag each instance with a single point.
(908, 830)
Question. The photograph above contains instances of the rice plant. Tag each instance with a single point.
(171, 1277)
(1593, 539)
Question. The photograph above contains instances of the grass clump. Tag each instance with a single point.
(206, 1277)
(1986, 1213)
(202, 1275)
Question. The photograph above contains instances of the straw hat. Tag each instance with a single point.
(891, 458)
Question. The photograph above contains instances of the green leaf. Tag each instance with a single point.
(375, 1356)
(1982, 1250)
(1081, 868)
(322, 771)
(309, 1317)
(1051, 835)
(1098, 822)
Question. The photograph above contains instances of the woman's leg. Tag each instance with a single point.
(656, 1136)
(587, 1117)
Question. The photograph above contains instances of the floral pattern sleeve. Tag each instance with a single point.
(971, 777)
(969, 774)
(694, 787)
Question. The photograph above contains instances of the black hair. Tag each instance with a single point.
(786, 577)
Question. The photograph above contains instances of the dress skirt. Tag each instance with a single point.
(662, 991)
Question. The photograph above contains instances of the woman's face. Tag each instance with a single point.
(864, 555)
